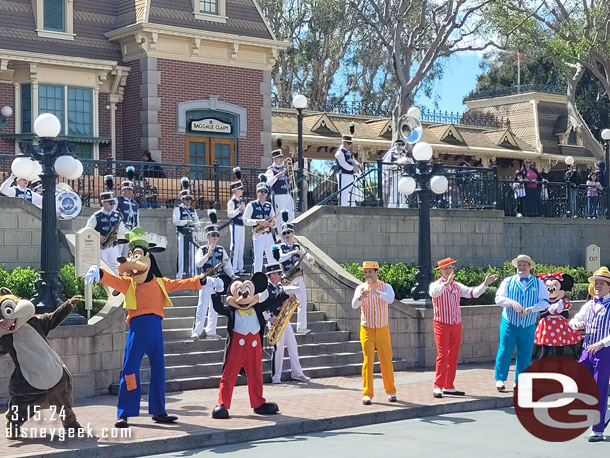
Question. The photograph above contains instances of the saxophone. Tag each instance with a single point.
(283, 319)
(214, 269)
(296, 270)
(111, 237)
(259, 229)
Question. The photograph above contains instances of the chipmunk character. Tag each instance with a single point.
(40, 378)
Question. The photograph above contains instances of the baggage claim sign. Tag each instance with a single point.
(211, 125)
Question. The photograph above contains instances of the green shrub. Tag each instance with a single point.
(22, 282)
(580, 292)
(76, 285)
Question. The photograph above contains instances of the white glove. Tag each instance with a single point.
(556, 307)
(209, 281)
(92, 275)
(219, 285)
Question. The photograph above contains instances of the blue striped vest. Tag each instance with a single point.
(598, 323)
(527, 297)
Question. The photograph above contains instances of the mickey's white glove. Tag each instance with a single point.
(209, 281)
(219, 285)
(92, 275)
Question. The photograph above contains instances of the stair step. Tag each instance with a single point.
(178, 320)
(193, 383)
(191, 300)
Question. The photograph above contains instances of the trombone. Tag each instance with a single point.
(294, 192)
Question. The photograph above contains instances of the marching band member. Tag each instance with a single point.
(235, 212)
(446, 294)
(260, 213)
(277, 180)
(36, 187)
(128, 207)
(184, 217)
(107, 221)
(208, 256)
(594, 317)
(521, 296)
(398, 156)
(290, 253)
(21, 191)
(373, 298)
(273, 298)
(347, 165)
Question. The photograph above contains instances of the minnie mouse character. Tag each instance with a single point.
(244, 347)
(553, 332)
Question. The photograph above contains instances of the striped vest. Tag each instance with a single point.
(373, 310)
(598, 322)
(527, 296)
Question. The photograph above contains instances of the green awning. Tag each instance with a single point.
(70, 138)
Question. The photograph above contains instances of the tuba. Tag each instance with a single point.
(409, 129)
(283, 319)
(288, 162)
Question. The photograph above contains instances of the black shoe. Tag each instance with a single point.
(268, 408)
(121, 423)
(454, 393)
(164, 418)
(116, 292)
(595, 438)
(220, 412)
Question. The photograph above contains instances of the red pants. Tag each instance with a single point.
(246, 351)
(448, 338)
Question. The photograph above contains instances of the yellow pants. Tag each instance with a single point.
(379, 338)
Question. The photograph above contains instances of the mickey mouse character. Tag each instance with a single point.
(243, 348)
(40, 377)
(553, 332)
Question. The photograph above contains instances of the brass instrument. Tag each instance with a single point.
(111, 237)
(409, 129)
(296, 270)
(259, 229)
(214, 269)
(288, 308)
(291, 178)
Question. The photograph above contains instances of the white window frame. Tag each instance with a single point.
(220, 17)
(39, 17)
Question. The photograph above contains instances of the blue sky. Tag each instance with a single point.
(459, 79)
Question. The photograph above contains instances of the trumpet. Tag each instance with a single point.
(291, 178)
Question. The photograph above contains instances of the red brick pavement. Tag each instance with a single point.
(322, 404)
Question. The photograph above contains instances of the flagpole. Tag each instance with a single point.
(518, 72)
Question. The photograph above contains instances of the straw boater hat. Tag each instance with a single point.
(601, 274)
(369, 265)
(273, 267)
(445, 262)
(523, 257)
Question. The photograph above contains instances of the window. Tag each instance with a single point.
(54, 15)
(84, 151)
(208, 6)
(26, 108)
(80, 111)
(51, 100)
(572, 138)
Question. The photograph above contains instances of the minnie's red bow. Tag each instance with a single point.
(557, 275)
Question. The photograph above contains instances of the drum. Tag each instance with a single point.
(199, 233)
(67, 203)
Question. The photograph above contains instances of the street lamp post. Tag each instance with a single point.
(55, 158)
(606, 138)
(300, 103)
(423, 178)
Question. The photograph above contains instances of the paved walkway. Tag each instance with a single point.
(320, 405)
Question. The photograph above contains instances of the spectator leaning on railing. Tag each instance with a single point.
(532, 179)
(572, 181)
(593, 188)
(151, 171)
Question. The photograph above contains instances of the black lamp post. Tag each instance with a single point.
(606, 138)
(423, 178)
(46, 151)
(300, 103)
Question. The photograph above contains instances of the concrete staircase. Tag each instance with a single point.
(324, 352)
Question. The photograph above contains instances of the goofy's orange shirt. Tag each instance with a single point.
(150, 297)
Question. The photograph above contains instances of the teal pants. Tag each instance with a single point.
(511, 336)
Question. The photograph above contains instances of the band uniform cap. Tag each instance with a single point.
(399, 141)
(237, 185)
(185, 193)
(287, 227)
(127, 185)
(36, 184)
(346, 138)
(262, 186)
(137, 238)
(277, 153)
(107, 196)
(273, 268)
(369, 265)
(601, 274)
(445, 262)
(211, 228)
(523, 257)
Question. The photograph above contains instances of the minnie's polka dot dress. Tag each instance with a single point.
(554, 331)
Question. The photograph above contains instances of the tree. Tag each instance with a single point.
(417, 34)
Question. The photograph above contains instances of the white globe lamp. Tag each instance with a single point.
(47, 125)
(406, 186)
(422, 151)
(66, 166)
(414, 111)
(6, 111)
(79, 171)
(299, 102)
(22, 167)
(606, 134)
(569, 160)
(36, 173)
(439, 184)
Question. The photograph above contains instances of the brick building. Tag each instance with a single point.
(188, 80)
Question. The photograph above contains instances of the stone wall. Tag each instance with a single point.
(475, 238)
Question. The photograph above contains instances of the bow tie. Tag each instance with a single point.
(246, 312)
(598, 300)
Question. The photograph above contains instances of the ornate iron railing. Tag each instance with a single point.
(492, 93)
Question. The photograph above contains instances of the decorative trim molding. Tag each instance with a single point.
(212, 103)
(55, 35)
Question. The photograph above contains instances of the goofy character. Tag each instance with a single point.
(244, 346)
(146, 294)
